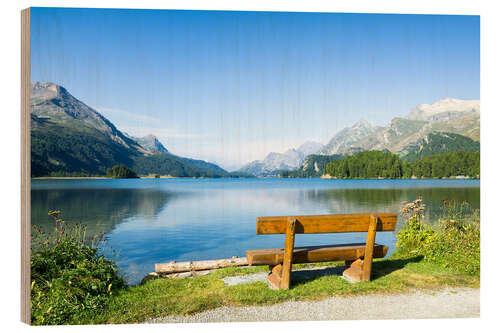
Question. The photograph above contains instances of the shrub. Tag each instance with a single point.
(69, 278)
(453, 243)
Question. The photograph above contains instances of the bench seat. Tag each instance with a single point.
(306, 254)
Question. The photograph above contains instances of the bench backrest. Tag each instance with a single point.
(318, 224)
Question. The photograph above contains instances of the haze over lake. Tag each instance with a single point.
(150, 221)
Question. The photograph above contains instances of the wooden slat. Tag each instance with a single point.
(316, 224)
(313, 254)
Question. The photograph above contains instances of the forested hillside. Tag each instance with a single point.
(459, 163)
(377, 164)
(438, 143)
(59, 151)
(366, 164)
(175, 166)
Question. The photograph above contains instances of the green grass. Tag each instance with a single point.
(162, 297)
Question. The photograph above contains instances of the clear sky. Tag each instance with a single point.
(230, 87)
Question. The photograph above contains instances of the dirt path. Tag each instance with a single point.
(446, 303)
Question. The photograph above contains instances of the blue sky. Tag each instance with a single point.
(230, 87)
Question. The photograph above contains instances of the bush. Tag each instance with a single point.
(453, 243)
(69, 278)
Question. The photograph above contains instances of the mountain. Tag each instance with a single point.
(274, 162)
(313, 166)
(150, 143)
(437, 143)
(348, 138)
(448, 115)
(446, 109)
(309, 148)
(54, 103)
(70, 138)
(394, 136)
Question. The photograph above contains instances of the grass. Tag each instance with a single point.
(163, 297)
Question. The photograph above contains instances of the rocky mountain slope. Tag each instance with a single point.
(54, 103)
(348, 138)
(150, 143)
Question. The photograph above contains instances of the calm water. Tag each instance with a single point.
(159, 220)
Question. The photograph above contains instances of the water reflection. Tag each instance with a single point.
(99, 209)
(152, 221)
(389, 200)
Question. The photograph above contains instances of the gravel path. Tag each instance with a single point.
(446, 303)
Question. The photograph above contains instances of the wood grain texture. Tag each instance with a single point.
(288, 253)
(25, 165)
(354, 272)
(274, 278)
(188, 266)
(313, 254)
(312, 224)
(370, 241)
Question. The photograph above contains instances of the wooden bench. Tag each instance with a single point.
(358, 257)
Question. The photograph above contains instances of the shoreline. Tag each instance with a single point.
(102, 177)
(321, 177)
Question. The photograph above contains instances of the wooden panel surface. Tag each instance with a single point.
(313, 254)
(25, 166)
(316, 224)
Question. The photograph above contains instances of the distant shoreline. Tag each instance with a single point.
(322, 177)
(98, 177)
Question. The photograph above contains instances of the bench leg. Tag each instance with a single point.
(279, 278)
(288, 254)
(370, 242)
(360, 270)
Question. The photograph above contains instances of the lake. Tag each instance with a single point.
(152, 221)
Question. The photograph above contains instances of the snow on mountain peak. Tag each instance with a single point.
(445, 109)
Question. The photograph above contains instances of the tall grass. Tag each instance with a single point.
(453, 243)
(69, 278)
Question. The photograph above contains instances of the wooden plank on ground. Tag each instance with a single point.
(188, 266)
(311, 224)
